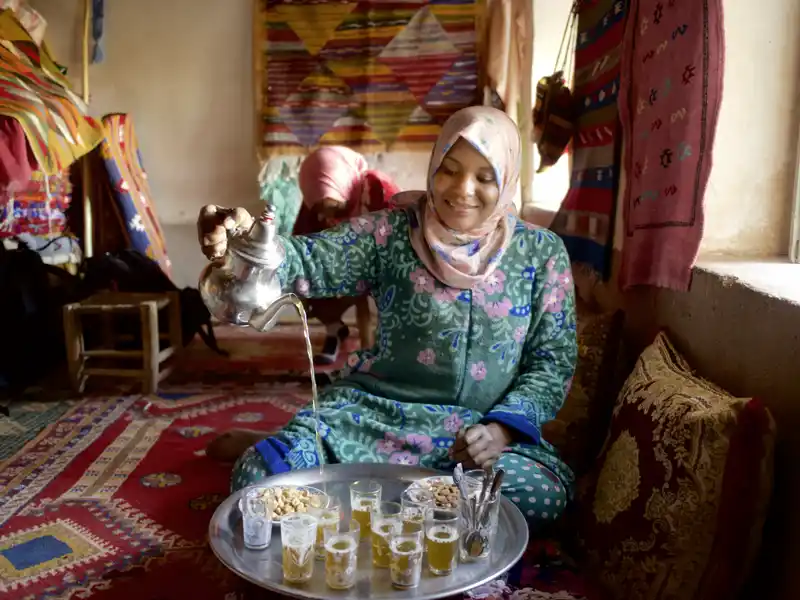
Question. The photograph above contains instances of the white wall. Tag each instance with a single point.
(183, 70)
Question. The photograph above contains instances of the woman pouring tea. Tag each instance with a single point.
(476, 342)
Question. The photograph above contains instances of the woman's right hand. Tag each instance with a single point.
(214, 223)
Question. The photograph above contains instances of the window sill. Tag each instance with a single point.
(776, 277)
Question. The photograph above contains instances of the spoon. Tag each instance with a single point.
(458, 479)
(477, 541)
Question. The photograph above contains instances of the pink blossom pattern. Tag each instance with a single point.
(453, 423)
(478, 371)
(519, 334)
(495, 282)
(352, 360)
(362, 286)
(403, 458)
(478, 296)
(421, 442)
(382, 231)
(498, 310)
(426, 357)
(390, 443)
(565, 280)
(362, 224)
(554, 299)
(423, 281)
(446, 294)
(301, 287)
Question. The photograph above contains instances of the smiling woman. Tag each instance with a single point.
(476, 341)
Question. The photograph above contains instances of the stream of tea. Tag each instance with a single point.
(301, 311)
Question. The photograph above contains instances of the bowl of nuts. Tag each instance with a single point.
(286, 499)
(445, 491)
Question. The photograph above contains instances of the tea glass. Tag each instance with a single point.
(386, 521)
(365, 496)
(256, 508)
(298, 537)
(416, 503)
(341, 555)
(474, 480)
(405, 562)
(477, 538)
(328, 518)
(441, 539)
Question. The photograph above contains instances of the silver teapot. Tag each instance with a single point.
(242, 288)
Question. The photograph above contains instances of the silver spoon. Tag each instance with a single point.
(477, 541)
(458, 479)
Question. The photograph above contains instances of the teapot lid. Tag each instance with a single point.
(259, 245)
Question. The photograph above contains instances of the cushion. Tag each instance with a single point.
(579, 428)
(676, 503)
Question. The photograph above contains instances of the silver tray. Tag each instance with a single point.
(264, 567)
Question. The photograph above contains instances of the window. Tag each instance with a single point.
(794, 248)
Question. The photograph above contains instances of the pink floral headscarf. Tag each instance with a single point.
(462, 259)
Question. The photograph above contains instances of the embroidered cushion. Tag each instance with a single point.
(676, 503)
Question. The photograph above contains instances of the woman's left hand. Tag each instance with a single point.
(481, 445)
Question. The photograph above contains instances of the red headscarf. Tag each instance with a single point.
(342, 174)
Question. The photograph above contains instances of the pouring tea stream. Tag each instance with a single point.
(242, 288)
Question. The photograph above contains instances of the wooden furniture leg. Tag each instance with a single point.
(148, 312)
(175, 329)
(73, 338)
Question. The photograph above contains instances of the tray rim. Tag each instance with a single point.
(515, 515)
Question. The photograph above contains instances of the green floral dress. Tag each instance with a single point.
(444, 358)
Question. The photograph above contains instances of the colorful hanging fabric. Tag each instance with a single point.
(369, 75)
(586, 218)
(38, 207)
(34, 92)
(127, 181)
(670, 99)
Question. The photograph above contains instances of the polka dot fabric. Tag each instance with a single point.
(534, 488)
(248, 470)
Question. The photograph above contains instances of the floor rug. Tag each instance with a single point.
(112, 500)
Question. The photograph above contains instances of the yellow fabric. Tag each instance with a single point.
(36, 94)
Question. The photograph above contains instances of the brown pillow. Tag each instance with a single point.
(676, 503)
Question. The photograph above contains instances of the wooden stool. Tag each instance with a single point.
(108, 304)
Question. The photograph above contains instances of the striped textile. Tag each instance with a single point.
(372, 75)
(128, 184)
(586, 218)
(34, 92)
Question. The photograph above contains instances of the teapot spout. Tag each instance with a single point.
(264, 320)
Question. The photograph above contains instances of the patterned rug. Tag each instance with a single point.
(112, 499)
(372, 76)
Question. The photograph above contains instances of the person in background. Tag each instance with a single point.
(476, 343)
(337, 184)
